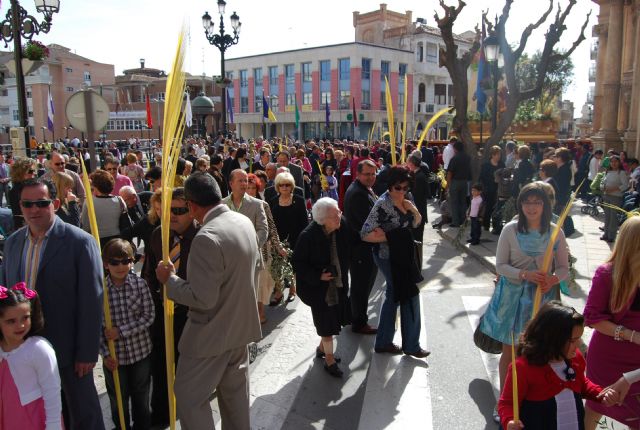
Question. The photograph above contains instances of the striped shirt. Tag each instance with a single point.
(132, 312)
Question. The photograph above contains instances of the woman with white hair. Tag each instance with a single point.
(321, 263)
(290, 215)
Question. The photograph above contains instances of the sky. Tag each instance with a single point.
(121, 32)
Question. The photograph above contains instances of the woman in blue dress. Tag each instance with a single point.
(519, 257)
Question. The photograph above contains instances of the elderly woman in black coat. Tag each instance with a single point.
(321, 263)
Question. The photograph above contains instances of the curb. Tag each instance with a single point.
(471, 251)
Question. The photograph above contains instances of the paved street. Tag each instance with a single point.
(453, 389)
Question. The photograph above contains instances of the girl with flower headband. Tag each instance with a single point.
(29, 379)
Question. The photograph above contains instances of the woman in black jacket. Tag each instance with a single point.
(321, 263)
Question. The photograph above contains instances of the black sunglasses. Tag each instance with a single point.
(120, 262)
(180, 211)
(38, 203)
(31, 171)
(399, 188)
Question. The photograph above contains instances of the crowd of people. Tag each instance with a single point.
(251, 220)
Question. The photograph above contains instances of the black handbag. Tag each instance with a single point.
(485, 342)
(124, 223)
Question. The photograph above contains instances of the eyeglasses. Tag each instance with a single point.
(533, 203)
(112, 169)
(120, 262)
(59, 164)
(180, 210)
(38, 203)
(285, 185)
(399, 188)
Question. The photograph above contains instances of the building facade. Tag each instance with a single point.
(63, 73)
(616, 111)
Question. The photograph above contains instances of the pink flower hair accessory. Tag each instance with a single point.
(22, 287)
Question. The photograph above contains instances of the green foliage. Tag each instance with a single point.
(35, 51)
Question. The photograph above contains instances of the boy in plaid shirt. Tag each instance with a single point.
(132, 313)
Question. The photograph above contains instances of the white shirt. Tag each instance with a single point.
(34, 370)
(447, 155)
(594, 167)
(476, 202)
(566, 412)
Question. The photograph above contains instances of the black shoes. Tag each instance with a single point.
(333, 370)
(365, 329)
(320, 354)
(389, 349)
(421, 353)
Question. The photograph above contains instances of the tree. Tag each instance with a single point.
(457, 67)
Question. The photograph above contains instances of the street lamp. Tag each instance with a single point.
(222, 41)
(493, 55)
(19, 24)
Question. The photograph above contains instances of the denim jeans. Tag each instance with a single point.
(409, 314)
(135, 382)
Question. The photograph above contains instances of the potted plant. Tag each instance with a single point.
(35, 51)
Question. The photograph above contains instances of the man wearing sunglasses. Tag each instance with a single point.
(111, 166)
(57, 163)
(62, 263)
(223, 317)
(181, 234)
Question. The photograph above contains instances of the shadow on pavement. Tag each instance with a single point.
(481, 392)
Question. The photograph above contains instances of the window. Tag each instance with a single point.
(440, 91)
(383, 100)
(244, 104)
(68, 69)
(400, 102)
(306, 72)
(4, 92)
(244, 82)
(432, 53)
(258, 103)
(325, 70)
(30, 114)
(365, 104)
(16, 115)
(229, 75)
(366, 68)
(289, 74)
(87, 76)
(344, 69)
(273, 75)
(345, 99)
(257, 77)
(450, 99)
(274, 103)
(420, 53)
(29, 95)
(384, 70)
(69, 89)
(421, 93)
(307, 98)
(160, 97)
(402, 70)
(291, 99)
(325, 97)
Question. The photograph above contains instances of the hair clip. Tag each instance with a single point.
(22, 287)
(3, 292)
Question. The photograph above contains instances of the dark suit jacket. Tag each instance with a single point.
(296, 172)
(270, 193)
(358, 202)
(69, 283)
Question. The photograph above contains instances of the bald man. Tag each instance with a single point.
(57, 164)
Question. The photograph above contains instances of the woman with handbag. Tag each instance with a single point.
(110, 210)
(614, 184)
(520, 252)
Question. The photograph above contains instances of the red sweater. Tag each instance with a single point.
(539, 383)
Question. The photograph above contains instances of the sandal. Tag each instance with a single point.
(320, 354)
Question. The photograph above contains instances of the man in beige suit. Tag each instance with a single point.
(252, 208)
(222, 317)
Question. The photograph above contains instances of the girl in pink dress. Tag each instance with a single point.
(29, 379)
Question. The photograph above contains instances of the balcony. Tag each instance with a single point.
(592, 74)
(365, 106)
(425, 108)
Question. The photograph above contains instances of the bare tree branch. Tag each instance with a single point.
(576, 43)
(530, 28)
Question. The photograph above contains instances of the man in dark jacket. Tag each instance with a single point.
(458, 177)
(358, 201)
(419, 191)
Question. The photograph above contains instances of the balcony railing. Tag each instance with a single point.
(592, 74)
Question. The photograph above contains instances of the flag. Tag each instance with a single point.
(149, 119)
(267, 113)
(188, 115)
(297, 114)
(355, 116)
(327, 114)
(481, 97)
(50, 112)
(229, 107)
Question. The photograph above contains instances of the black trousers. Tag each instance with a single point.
(159, 394)
(83, 411)
(363, 272)
(489, 204)
(135, 380)
(476, 229)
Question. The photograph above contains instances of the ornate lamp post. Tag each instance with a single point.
(494, 56)
(222, 41)
(19, 24)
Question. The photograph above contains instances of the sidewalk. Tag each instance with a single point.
(585, 246)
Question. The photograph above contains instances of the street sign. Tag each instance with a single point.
(76, 110)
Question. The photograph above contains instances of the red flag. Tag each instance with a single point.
(149, 120)
(355, 117)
